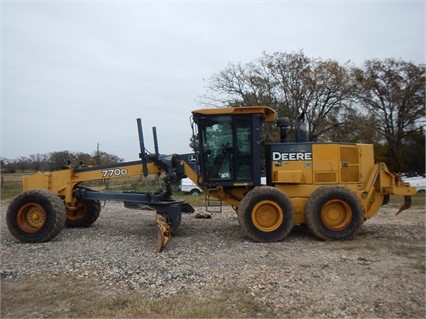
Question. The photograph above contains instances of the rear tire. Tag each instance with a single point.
(36, 216)
(266, 214)
(334, 212)
(86, 213)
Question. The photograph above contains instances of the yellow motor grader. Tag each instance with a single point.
(331, 187)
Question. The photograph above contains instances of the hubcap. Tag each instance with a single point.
(336, 215)
(31, 217)
(79, 212)
(267, 216)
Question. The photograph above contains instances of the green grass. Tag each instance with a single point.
(416, 200)
(9, 190)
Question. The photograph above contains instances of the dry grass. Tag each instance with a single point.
(71, 297)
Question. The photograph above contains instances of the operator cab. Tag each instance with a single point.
(229, 145)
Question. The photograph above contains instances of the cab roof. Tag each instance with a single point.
(268, 113)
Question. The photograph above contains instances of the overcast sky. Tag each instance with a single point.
(78, 73)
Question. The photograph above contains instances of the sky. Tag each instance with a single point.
(79, 73)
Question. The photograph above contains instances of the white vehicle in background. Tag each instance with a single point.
(419, 182)
(188, 186)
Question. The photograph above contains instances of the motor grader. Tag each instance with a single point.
(331, 187)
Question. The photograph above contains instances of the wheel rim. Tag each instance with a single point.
(336, 214)
(31, 217)
(267, 216)
(79, 212)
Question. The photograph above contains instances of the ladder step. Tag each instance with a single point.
(212, 204)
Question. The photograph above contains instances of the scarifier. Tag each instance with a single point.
(331, 187)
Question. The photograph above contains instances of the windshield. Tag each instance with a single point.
(226, 147)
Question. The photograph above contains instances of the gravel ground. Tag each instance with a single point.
(380, 273)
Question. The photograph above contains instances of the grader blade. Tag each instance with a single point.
(163, 233)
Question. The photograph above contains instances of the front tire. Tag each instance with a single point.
(334, 212)
(175, 223)
(36, 216)
(266, 214)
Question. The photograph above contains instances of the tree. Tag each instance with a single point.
(358, 127)
(289, 83)
(394, 92)
(38, 161)
(414, 153)
(105, 158)
(58, 160)
(82, 158)
(323, 89)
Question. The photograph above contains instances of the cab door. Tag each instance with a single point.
(229, 149)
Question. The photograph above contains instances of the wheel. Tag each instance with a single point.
(86, 214)
(386, 199)
(36, 216)
(266, 214)
(195, 192)
(175, 223)
(334, 212)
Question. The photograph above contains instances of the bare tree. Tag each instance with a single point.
(23, 163)
(59, 160)
(394, 92)
(322, 89)
(38, 161)
(290, 83)
(358, 127)
(106, 158)
(239, 85)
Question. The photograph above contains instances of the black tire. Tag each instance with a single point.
(85, 215)
(266, 214)
(386, 199)
(334, 212)
(175, 223)
(195, 192)
(36, 216)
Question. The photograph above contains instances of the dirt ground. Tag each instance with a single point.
(211, 269)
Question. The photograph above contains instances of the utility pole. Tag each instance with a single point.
(97, 153)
